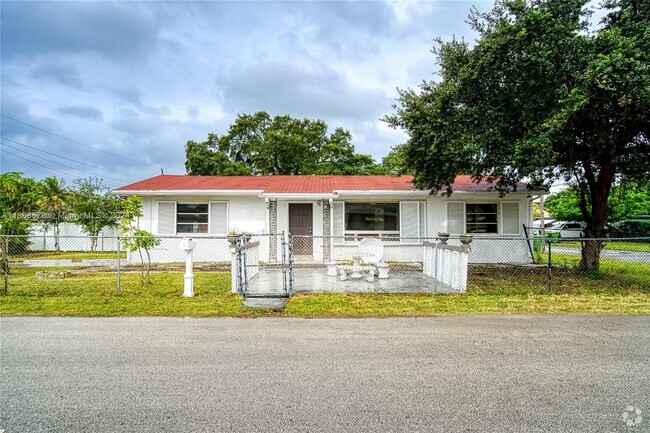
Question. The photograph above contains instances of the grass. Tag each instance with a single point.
(369, 305)
(94, 294)
(524, 291)
(66, 255)
(613, 273)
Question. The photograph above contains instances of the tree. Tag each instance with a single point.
(55, 203)
(259, 144)
(395, 162)
(539, 97)
(94, 207)
(564, 205)
(625, 201)
(18, 199)
(135, 239)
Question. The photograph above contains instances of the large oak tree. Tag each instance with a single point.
(542, 95)
(260, 144)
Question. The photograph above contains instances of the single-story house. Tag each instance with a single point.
(330, 213)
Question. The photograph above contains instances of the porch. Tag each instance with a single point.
(315, 279)
(437, 268)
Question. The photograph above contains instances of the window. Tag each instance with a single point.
(369, 217)
(192, 218)
(481, 218)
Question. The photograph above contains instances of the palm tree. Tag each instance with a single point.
(55, 203)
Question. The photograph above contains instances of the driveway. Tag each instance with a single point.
(549, 373)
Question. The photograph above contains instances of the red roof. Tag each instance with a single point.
(293, 184)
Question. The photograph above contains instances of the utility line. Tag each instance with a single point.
(77, 142)
(69, 159)
(41, 165)
(58, 163)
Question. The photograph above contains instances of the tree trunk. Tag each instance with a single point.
(57, 231)
(142, 268)
(590, 260)
(93, 243)
(592, 245)
(148, 265)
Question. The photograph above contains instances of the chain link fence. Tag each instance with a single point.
(288, 264)
(108, 262)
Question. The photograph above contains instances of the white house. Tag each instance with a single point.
(328, 214)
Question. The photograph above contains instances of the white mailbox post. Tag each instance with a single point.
(188, 244)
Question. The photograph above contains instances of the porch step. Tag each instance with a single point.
(266, 302)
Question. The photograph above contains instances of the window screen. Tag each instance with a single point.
(371, 217)
(481, 218)
(192, 218)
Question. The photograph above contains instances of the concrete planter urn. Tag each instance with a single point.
(443, 237)
(382, 271)
(232, 239)
(466, 239)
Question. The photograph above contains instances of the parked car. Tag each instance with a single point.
(567, 229)
(537, 222)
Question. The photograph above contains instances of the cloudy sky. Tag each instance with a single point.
(115, 89)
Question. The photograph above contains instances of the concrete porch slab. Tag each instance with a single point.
(316, 280)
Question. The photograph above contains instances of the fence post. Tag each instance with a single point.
(550, 267)
(5, 263)
(119, 258)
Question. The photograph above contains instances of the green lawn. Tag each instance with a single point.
(612, 274)
(489, 291)
(94, 294)
(66, 255)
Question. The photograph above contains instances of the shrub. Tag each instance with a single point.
(631, 228)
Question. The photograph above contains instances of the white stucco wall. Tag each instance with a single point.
(250, 214)
(246, 214)
(72, 238)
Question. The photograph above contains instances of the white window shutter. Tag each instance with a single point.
(423, 219)
(510, 217)
(338, 223)
(218, 218)
(166, 218)
(455, 217)
(409, 225)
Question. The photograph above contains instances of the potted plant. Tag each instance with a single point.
(443, 237)
(232, 238)
(466, 238)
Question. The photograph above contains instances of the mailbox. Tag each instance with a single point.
(188, 244)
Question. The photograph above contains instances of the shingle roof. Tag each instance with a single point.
(294, 184)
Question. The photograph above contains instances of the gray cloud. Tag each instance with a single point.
(115, 30)
(152, 75)
(14, 107)
(60, 73)
(287, 89)
(83, 112)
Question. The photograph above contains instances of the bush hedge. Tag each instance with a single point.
(631, 228)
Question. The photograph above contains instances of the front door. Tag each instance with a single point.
(301, 220)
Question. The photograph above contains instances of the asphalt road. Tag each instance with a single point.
(626, 256)
(451, 374)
